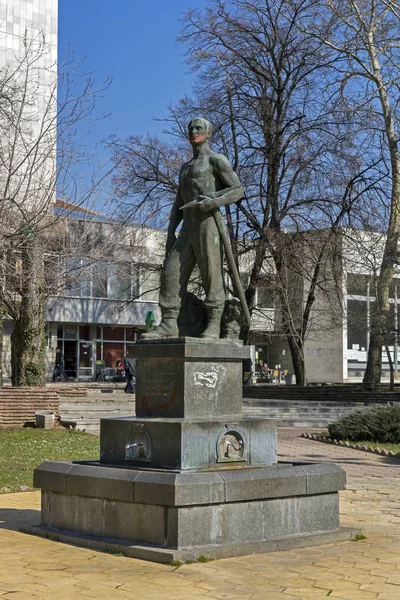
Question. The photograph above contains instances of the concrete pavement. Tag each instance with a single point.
(31, 567)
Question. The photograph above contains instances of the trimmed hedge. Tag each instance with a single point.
(376, 424)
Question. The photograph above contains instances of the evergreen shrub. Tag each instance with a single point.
(377, 424)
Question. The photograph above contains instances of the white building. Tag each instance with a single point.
(34, 18)
(28, 123)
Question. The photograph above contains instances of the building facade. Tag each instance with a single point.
(32, 18)
(337, 342)
(104, 291)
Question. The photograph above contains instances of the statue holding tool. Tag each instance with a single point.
(206, 182)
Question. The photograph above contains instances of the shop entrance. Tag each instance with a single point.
(70, 358)
(85, 360)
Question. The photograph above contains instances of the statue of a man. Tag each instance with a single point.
(207, 181)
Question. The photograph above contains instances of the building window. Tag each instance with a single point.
(70, 332)
(84, 332)
(109, 280)
(99, 277)
(265, 296)
(356, 325)
(113, 333)
(113, 343)
(357, 284)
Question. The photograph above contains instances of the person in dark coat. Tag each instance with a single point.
(59, 366)
(130, 374)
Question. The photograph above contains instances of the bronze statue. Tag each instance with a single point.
(206, 182)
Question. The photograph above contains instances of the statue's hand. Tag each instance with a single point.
(205, 204)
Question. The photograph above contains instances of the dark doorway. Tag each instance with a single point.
(70, 354)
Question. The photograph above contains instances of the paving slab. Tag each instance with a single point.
(40, 569)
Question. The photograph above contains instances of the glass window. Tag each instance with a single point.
(150, 284)
(60, 331)
(73, 269)
(356, 324)
(265, 296)
(120, 280)
(130, 334)
(357, 284)
(99, 280)
(70, 332)
(113, 333)
(78, 276)
(84, 332)
(112, 351)
(98, 333)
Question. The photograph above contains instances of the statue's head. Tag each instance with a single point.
(199, 130)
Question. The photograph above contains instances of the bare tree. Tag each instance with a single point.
(362, 39)
(263, 85)
(40, 109)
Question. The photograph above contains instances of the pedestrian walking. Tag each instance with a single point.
(59, 370)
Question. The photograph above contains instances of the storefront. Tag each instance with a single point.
(85, 346)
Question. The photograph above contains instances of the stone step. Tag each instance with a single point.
(83, 406)
(86, 414)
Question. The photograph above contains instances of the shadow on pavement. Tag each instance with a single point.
(14, 518)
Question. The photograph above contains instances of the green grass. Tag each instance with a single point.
(204, 559)
(359, 537)
(21, 450)
(176, 564)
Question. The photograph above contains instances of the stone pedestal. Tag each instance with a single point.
(189, 475)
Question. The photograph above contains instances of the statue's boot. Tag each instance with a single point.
(213, 328)
(167, 328)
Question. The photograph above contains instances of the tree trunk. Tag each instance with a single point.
(28, 337)
(297, 360)
(1, 346)
(372, 375)
(379, 317)
(391, 367)
(380, 313)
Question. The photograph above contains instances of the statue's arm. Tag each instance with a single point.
(174, 220)
(231, 191)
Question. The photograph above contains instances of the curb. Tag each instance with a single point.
(363, 447)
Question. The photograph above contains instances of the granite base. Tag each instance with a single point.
(165, 516)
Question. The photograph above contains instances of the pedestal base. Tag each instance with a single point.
(170, 555)
(164, 516)
(188, 444)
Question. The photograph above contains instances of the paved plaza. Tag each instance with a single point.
(31, 567)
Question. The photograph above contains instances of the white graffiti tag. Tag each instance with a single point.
(209, 378)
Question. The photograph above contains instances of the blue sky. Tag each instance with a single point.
(133, 42)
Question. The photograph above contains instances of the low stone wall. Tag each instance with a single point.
(320, 393)
(68, 391)
(19, 405)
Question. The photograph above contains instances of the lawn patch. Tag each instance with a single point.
(21, 450)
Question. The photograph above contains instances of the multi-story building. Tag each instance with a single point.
(105, 293)
(28, 74)
(102, 280)
(20, 19)
(337, 343)
(106, 282)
